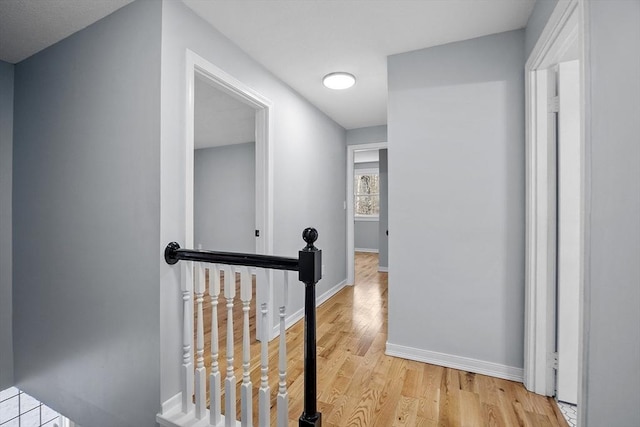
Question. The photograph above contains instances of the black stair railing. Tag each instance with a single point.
(309, 268)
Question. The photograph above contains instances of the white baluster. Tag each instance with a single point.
(283, 396)
(201, 372)
(230, 380)
(214, 378)
(187, 337)
(246, 395)
(264, 392)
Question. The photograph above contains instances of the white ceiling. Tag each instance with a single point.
(220, 119)
(299, 41)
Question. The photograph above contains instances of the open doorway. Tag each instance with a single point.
(555, 209)
(227, 126)
(367, 206)
(224, 171)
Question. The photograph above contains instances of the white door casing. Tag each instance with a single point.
(569, 230)
(563, 30)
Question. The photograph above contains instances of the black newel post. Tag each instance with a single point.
(310, 272)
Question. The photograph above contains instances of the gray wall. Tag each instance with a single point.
(305, 192)
(367, 135)
(383, 224)
(6, 155)
(456, 246)
(612, 285)
(86, 209)
(366, 165)
(224, 198)
(537, 20)
(365, 234)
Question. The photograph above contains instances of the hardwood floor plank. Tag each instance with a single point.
(338, 415)
(406, 412)
(492, 416)
(364, 413)
(449, 412)
(470, 409)
(468, 382)
(487, 390)
(422, 422)
(428, 407)
(411, 383)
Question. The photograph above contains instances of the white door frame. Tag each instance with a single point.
(263, 161)
(565, 26)
(351, 149)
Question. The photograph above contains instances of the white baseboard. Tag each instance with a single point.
(292, 318)
(456, 362)
(383, 269)
(176, 418)
(373, 251)
(172, 402)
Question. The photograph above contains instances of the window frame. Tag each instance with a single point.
(365, 171)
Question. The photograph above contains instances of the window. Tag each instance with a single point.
(366, 197)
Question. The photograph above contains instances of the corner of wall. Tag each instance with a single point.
(6, 235)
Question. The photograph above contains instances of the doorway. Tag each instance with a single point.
(218, 93)
(224, 171)
(367, 204)
(555, 208)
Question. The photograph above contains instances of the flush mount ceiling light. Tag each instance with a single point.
(339, 80)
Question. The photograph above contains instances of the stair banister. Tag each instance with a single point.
(309, 268)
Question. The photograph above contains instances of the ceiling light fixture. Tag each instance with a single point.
(339, 80)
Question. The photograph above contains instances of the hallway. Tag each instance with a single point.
(359, 385)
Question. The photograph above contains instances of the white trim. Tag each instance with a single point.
(540, 237)
(189, 147)
(351, 149)
(371, 251)
(383, 269)
(563, 28)
(366, 171)
(554, 38)
(456, 362)
(172, 402)
(299, 314)
(263, 160)
(174, 417)
(365, 218)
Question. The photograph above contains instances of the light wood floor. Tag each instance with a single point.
(358, 385)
